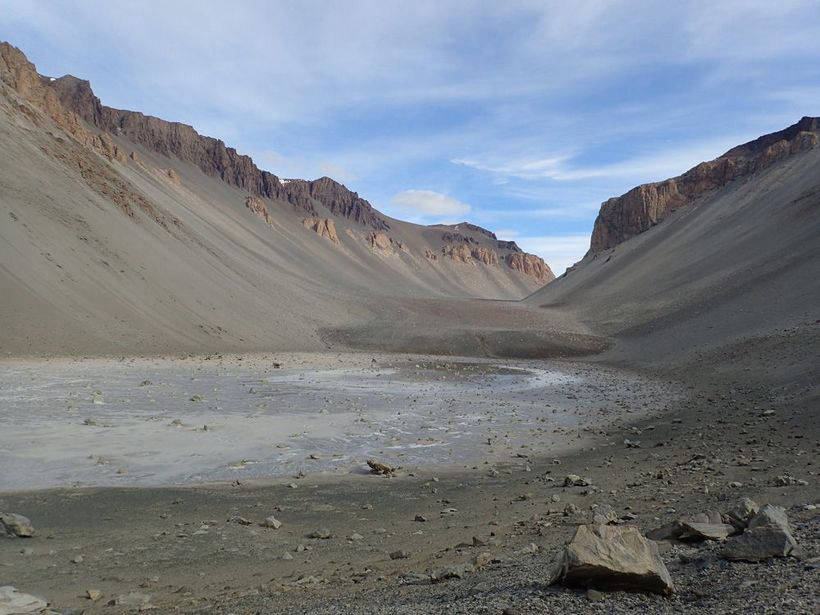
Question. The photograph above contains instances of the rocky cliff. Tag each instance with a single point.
(212, 156)
(645, 206)
(70, 104)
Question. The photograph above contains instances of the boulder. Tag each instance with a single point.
(15, 526)
(612, 557)
(768, 535)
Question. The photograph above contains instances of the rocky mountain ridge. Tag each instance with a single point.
(644, 206)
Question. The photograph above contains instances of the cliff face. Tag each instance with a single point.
(645, 206)
(212, 156)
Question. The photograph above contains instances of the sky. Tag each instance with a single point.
(521, 117)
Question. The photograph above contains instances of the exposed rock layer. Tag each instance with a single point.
(648, 204)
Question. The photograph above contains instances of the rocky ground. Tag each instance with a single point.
(475, 540)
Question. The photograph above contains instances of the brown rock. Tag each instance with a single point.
(612, 557)
(531, 265)
(644, 206)
(324, 227)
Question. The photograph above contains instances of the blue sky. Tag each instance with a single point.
(519, 116)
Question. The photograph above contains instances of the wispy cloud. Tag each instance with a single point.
(646, 167)
(547, 107)
(428, 206)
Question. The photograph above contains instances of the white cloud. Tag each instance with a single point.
(652, 166)
(558, 251)
(427, 205)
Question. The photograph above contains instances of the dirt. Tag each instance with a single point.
(181, 547)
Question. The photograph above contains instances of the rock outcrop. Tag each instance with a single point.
(531, 265)
(258, 207)
(212, 156)
(614, 558)
(488, 256)
(324, 227)
(643, 207)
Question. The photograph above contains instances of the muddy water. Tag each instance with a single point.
(154, 422)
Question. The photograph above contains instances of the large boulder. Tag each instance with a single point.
(13, 525)
(768, 535)
(612, 557)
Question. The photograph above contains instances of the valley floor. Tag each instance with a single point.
(350, 542)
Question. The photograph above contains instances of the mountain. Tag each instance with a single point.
(648, 204)
(726, 253)
(127, 233)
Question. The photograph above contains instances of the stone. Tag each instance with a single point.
(604, 514)
(78, 559)
(15, 526)
(573, 480)
(400, 554)
(742, 512)
(613, 558)
(13, 602)
(768, 535)
(450, 572)
(272, 523)
(355, 537)
(420, 518)
(377, 467)
(321, 534)
(705, 531)
(93, 594)
(287, 556)
(593, 595)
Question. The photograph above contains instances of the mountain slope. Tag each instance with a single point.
(736, 261)
(125, 233)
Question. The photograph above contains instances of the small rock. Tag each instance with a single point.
(742, 512)
(287, 556)
(420, 518)
(593, 595)
(15, 526)
(272, 523)
(573, 480)
(78, 559)
(321, 534)
(705, 531)
(93, 594)
(400, 554)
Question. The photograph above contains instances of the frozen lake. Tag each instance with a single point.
(154, 422)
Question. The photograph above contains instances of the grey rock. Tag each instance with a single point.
(400, 554)
(612, 557)
(706, 531)
(769, 535)
(742, 512)
(573, 480)
(272, 523)
(15, 526)
(321, 534)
